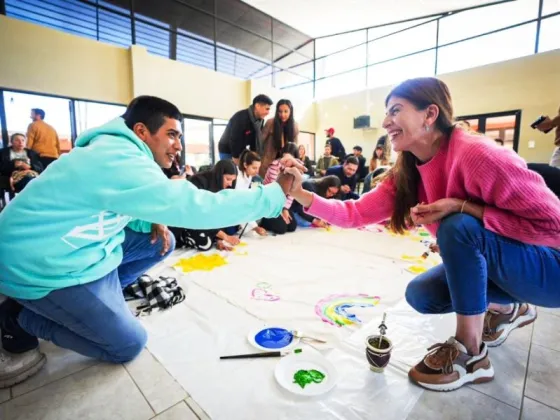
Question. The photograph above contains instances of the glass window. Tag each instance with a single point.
(550, 6)
(94, 114)
(406, 42)
(308, 141)
(115, 28)
(337, 63)
(238, 65)
(396, 71)
(380, 31)
(154, 38)
(332, 44)
(502, 128)
(197, 142)
(1, 138)
(341, 84)
(499, 46)
(192, 51)
(549, 38)
(233, 38)
(485, 19)
(57, 113)
(300, 93)
(218, 127)
(284, 78)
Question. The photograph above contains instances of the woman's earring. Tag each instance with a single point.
(427, 128)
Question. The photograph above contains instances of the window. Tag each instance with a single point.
(380, 31)
(308, 141)
(499, 46)
(301, 94)
(192, 51)
(337, 63)
(412, 40)
(341, 84)
(332, 44)
(395, 71)
(285, 78)
(93, 114)
(549, 38)
(550, 6)
(1, 136)
(238, 65)
(218, 127)
(57, 113)
(235, 39)
(485, 19)
(115, 28)
(197, 142)
(154, 38)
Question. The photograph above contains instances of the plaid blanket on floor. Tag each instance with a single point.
(161, 293)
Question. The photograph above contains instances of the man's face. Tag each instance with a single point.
(18, 142)
(165, 143)
(350, 169)
(261, 111)
(357, 152)
(33, 116)
(328, 150)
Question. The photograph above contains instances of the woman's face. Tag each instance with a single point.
(228, 181)
(332, 191)
(284, 113)
(379, 153)
(253, 168)
(405, 125)
(301, 151)
(18, 143)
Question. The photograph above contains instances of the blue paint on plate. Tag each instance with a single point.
(274, 338)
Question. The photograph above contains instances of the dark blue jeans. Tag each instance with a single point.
(225, 156)
(480, 267)
(93, 318)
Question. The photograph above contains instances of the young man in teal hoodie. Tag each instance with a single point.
(92, 224)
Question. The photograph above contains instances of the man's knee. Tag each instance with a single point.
(131, 343)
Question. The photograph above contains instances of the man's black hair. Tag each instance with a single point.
(358, 148)
(262, 99)
(352, 159)
(39, 112)
(151, 111)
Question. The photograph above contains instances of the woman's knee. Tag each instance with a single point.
(417, 298)
(458, 228)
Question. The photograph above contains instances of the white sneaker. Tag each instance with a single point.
(497, 327)
(16, 368)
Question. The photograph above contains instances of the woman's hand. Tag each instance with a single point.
(291, 162)
(261, 231)
(286, 216)
(320, 223)
(425, 214)
(232, 240)
(434, 248)
(222, 246)
(161, 232)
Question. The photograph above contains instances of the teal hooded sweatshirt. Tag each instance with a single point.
(67, 226)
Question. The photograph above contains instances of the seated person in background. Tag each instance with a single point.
(362, 168)
(550, 174)
(326, 187)
(499, 142)
(220, 177)
(302, 155)
(249, 165)
(379, 158)
(68, 249)
(285, 222)
(177, 171)
(19, 163)
(348, 177)
(326, 161)
(337, 147)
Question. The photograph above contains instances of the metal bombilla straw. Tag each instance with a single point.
(382, 329)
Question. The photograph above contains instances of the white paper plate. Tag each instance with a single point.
(253, 333)
(289, 365)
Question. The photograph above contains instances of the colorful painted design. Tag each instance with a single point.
(260, 292)
(200, 262)
(334, 308)
(306, 377)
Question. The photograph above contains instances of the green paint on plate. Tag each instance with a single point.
(306, 377)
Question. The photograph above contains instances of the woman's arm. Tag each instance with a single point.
(271, 175)
(374, 207)
(296, 132)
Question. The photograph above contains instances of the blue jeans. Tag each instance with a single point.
(225, 156)
(301, 221)
(480, 267)
(93, 319)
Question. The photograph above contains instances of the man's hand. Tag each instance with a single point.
(188, 171)
(261, 231)
(546, 125)
(345, 189)
(322, 172)
(291, 162)
(232, 240)
(424, 214)
(286, 216)
(286, 181)
(161, 232)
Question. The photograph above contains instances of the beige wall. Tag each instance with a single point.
(44, 60)
(531, 84)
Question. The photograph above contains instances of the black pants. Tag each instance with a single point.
(278, 225)
(46, 161)
(203, 240)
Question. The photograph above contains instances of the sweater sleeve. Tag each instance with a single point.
(238, 140)
(373, 207)
(519, 205)
(271, 175)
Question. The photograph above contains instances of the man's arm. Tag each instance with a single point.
(238, 138)
(31, 136)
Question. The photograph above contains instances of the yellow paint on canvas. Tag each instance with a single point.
(201, 262)
(416, 269)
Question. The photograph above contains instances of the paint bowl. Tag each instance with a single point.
(378, 352)
(272, 338)
(325, 375)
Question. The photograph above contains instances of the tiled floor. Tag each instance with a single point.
(527, 387)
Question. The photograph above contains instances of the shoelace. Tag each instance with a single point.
(443, 354)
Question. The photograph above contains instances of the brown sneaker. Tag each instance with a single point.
(448, 366)
(498, 326)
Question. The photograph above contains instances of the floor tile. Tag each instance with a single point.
(180, 411)
(533, 410)
(510, 366)
(4, 395)
(463, 404)
(99, 392)
(60, 363)
(547, 333)
(542, 380)
(553, 311)
(155, 383)
(197, 409)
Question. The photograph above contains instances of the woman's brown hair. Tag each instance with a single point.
(420, 92)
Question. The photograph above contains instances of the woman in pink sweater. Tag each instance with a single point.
(497, 227)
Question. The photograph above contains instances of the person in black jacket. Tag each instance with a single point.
(550, 174)
(348, 177)
(19, 163)
(337, 147)
(362, 168)
(326, 187)
(244, 130)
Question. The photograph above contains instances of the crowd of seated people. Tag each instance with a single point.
(19, 163)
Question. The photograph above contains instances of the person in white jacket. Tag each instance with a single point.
(249, 165)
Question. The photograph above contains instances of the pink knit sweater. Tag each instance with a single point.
(518, 205)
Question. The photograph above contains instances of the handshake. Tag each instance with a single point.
(291, 178)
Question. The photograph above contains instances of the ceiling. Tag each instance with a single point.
(325, 17)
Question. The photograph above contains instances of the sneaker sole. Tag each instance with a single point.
(14, 380)
(520, 322)
(479, 377)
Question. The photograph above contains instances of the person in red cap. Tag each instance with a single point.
(336, 145)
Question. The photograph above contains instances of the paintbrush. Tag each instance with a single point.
(265, 354)
(243, 230)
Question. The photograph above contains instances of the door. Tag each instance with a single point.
(503, 127)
